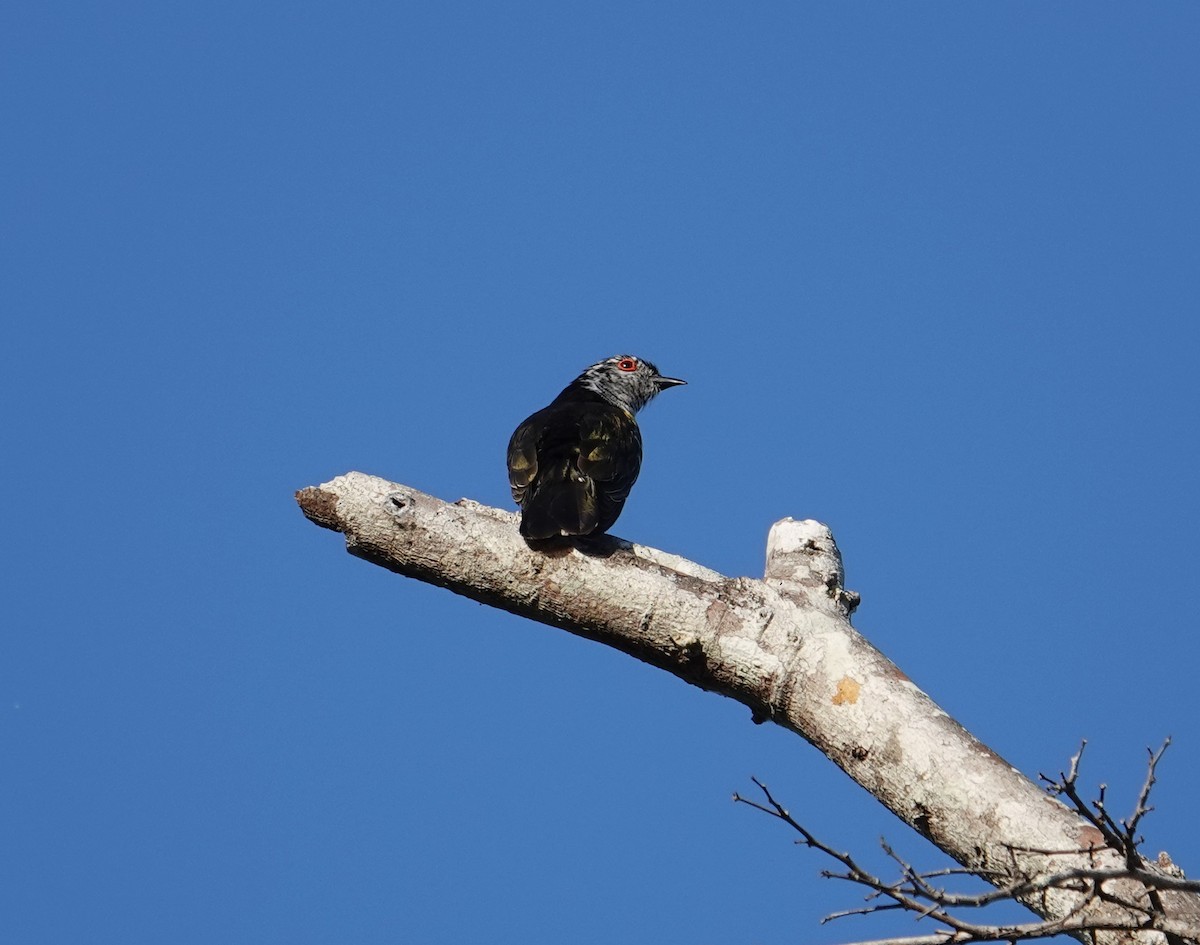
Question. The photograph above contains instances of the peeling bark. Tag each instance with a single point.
(783, 646)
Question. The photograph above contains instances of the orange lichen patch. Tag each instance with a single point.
(1091, 838)
(847, 691)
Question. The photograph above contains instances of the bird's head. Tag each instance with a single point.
(626, 381)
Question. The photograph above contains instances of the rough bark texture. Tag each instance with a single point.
(783, 646)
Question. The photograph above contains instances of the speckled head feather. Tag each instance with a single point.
(624, 381)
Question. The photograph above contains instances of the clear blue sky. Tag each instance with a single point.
(931, 269)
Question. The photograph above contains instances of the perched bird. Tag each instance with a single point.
(571, 465)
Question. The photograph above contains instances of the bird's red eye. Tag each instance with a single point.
(627, 364)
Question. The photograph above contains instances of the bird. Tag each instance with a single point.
(571, 464)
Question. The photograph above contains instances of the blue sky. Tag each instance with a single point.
(931, 271)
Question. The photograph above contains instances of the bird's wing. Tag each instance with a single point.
(523, 458)
(610, 452)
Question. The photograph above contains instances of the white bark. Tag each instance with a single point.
(783, 646)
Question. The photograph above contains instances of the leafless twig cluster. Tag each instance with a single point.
(1136, 888)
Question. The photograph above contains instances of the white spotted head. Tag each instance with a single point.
(625, 381)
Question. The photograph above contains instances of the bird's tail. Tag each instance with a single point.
(562, 506)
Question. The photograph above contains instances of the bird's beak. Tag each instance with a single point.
(667, 381)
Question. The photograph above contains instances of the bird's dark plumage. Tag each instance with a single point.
(571, 465)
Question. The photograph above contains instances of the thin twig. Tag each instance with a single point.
(1143, 801)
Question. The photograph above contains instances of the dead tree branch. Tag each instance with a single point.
(1131, 889)
(783, 646)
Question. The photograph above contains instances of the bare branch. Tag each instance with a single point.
(1131, 888)
(1121, 837)
(1143, 801)
(784, 647)
(1094, 813)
